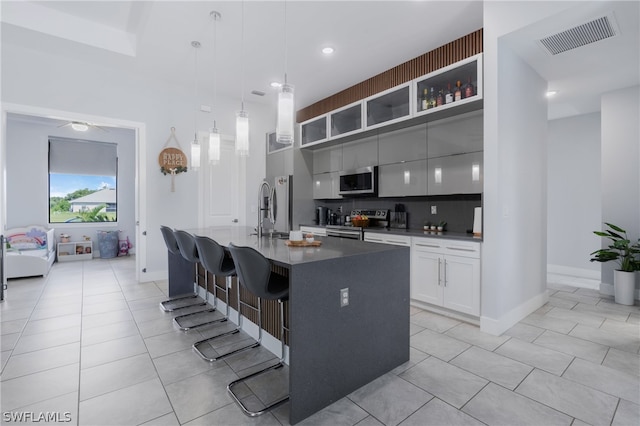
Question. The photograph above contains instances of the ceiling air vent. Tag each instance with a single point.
(584, 34)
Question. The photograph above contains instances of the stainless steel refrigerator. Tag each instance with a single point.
(277, 204)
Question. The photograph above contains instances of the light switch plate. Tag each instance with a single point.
(434, 209)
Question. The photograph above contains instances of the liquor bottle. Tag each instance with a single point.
(469, 90)
(448, 96)
(440, 98)
(457, 94)
(432, 99)
(425, 99)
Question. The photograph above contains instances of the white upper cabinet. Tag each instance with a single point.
(361, 153)
(455, 135)
(449, 87)
(346, 120)
(403, 179)
(273, 145)
(405, 144)
(456, 174)
(388, 107)
(327, 159)
(313, 131)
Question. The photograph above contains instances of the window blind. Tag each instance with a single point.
(82, 157)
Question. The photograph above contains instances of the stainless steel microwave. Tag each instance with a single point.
(362, 181)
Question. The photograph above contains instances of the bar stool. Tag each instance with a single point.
(172, 246)
(214, 260)
(189, 251)
(254, 271)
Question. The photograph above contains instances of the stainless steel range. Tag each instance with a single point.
(377, 219)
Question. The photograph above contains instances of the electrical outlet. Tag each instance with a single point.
(344, 297)
(434, 209)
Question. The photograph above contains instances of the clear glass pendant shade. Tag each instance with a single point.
(242, 133)
(214, 146)
(286, 115)
(195, 154)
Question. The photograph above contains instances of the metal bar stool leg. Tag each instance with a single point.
(177, 320)
(280, 364)
(196, 345)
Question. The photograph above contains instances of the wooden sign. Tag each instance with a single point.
(172, 161)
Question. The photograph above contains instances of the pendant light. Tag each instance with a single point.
(286, 109)
(195, 145)
(214, 135)
(242, 117)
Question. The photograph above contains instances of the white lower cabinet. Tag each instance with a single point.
(396, 240)
(446, 273)
(320, 232)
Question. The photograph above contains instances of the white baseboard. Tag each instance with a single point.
(576, 277)
(497, 326)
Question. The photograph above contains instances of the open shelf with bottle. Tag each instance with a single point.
(449, 87)
(81, 250)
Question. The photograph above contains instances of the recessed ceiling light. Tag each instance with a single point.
(551, 93)
(79, 127)
(275, 84)
(327, 50)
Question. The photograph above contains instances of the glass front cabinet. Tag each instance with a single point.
(313, 131)
(449, 87)
(346, 120)
(389, 106)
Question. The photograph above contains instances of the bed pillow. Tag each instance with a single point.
(35, 239)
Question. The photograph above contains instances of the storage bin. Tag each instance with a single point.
(108, 244)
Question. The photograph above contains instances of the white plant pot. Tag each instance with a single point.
(624, 286)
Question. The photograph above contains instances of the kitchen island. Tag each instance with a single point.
(335, 350)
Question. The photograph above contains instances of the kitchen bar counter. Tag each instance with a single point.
(335, 350)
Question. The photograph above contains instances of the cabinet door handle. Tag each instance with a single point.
(373, 239)
(461, 249)
(427, 245)
(438, 271)
(445, 272)
(404, 243)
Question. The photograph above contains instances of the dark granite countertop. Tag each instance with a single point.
(277, 251)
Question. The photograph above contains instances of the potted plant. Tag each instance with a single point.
(626, 254)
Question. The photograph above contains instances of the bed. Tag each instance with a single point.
(30, 252)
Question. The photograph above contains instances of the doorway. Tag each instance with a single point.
(39, 115)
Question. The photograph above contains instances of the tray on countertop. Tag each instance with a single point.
(302, 243)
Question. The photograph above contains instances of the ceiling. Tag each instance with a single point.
(153, 40)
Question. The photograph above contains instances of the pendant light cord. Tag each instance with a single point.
(285, 43)
(195, 89)
(215, 62)
(242, 58)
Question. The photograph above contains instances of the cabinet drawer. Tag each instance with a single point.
(397, 240)
(462, 248)
(321, 232)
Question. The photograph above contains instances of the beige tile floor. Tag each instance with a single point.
(90, 345)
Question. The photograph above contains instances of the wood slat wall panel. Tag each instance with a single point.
(450, 53)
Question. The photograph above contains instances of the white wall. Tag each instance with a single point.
(56, 82)
(27, 176)
(620, 167)
(574, 195)
(514, 200)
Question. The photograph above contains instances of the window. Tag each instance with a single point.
(82, 181)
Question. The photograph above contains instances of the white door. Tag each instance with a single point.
(219, 185)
